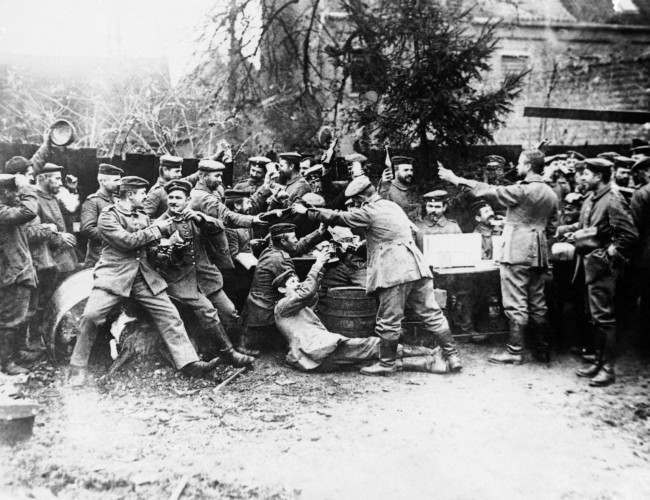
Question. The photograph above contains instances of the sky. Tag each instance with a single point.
(104, 28)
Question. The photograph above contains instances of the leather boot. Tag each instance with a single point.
(589, 371)
(77, 376)
(246, 343)
(541, 346)
(514, 352)
(200, 368)
(605, 376)
(235, 358)
(387, 360)
(408, 351)
(430, 364)
(9, 351)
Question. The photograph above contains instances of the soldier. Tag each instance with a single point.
(400, 189)
(484, 218)
(256, 174)
(274, 260)
(494, 169)
(191, 276)
(20, 165)
(641, 171)
(532, 211)
(108, 177)
(312, 347)
(122, 271)
(640, 207)
(170, 168)
(294, 184)
(397, 273)
(435, 221)
(604, 250)
(18, 205)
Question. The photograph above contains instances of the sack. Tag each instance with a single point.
(586, 240)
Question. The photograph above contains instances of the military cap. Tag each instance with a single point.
(259, 160)
(573, 199)
(349, 202)
(642, 164)
(623, 161)
(207, 165)
(170, 161)
(7, 181)
(598, 165)
(178, 185)
(305, 156)
(478, 204)
(437, 195)
(17, 165)
(282, 278)
(108, 169)
(575, 155)
(357, 185)
(499, 160)
(356, 157)
(314, 200)
(49, 168)
(641, 150)
(608, 155)
(291, 156)
(235, 195)
(402, 160)
(314, 170)
(133, 182)
(282, 228)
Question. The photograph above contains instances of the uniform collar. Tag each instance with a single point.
(483, 229)
(441, 222)
(103, 196)
(44, 193)
(398, 184)
(598, 194)
(532, 177)
(294, 180)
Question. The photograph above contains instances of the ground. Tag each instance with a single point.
(532, 431)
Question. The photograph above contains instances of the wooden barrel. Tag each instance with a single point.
(349, 311)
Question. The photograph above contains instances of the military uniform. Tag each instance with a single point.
(405, 196)
(249, 185)
(155, 204)
(18, 277)
(49, 212)
(90, 210)
(640, 207)
(123, 270)
(531, 219)
(203, 199)
(295, 188)
(486, 231)
(427, 226)
(397, 273)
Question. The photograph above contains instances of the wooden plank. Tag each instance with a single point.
(588, 114)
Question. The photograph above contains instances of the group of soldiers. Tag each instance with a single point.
(190, 241)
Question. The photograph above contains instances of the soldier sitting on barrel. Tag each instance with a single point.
(313, 347)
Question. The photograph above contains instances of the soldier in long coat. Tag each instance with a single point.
(397, 273)
(108, 177)
(123, 270)
(531, 220)
(18, 205)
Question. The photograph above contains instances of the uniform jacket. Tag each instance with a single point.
(126, 236)
(640, 206)
(90, 210)
(486, 233)
(50, 212)
(202, 199)
(393, 257)
(295, 188)
(531, 218)
(155, 204)
(15, 260)
(195, 273)
(309, 341)
(606, 210)
(40, 238)
(441, 226)
(405, 196)
(239, 241)
(271, 263)
(248, 185)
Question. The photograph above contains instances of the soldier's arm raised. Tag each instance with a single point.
(117, 236)
(355, 217)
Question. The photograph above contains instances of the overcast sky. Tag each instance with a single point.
(105, 28)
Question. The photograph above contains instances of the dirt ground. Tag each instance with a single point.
(531, 431)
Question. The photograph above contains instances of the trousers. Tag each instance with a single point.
(227, 310)
(162, 311)
(601, 298)
(522, 289)
(418, 296)
(14, 303)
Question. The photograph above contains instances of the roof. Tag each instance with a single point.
(524, 10)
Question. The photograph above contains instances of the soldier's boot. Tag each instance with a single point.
(387, 363)
(606, 376)
(200, 368)
(409, 351)
(234, 357)
(589, 371)
(514, 352)
(28, 353)
(541, 345)
(247, 342)
(8, 357)
(450, 353)
(431, 364)
(77, 376)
